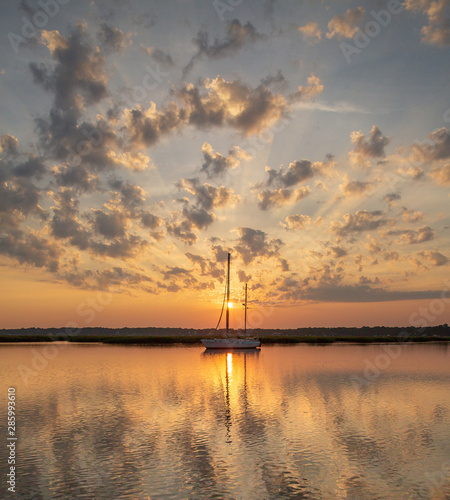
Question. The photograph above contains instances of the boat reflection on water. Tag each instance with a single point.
(225, 359)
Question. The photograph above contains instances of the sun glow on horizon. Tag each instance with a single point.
(230, 305)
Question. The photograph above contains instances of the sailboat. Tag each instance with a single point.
(229, 342)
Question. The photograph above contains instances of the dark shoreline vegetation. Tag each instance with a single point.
(161, 336)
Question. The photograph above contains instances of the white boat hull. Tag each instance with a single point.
(230, 343)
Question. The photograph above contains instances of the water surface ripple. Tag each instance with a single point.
(303, 422)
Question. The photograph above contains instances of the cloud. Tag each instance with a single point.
(23, 5)
(324, 285)
(298, 171)
(183, 231)
(411, 237)
(120, 248)
(373, 246)
(9, 145)
(284, 264)
(243, 277)
(437, 31)
(215, 103)
(338, 251)
(31, 249)
(197, 259)
(72, 144)
(176, 271)
(372, 147)
(441, 174)
(314, 88)
(146, 127)
(133, 160)
(130, 196)
(391, 256)
(278, 81)
(145, 19)
(233, 103)
(254, 243)
(215, 164)
(80, 178)
(110, 225)
(354, 189)
(150, 221)
(65, 222)
(178, 276)
(33, 167)
(81, 229)
(110, 37)
(78, 77)
(392, 198)
(311, 32)
(411, 172)
(364, 280)
(338, 107)
(158, 55)
(436, 258)
(411, 215)
(18, 198)
(345, 25)
(207, 267)
(208, 196)
(436, 147)
(296, 222)
(363, 292)
(111, 278)
(361, 221)
(237, 36)
(249, 110)
(197, 214)
(285, 179)
(279, 197)
(199, 218)
(220, 253)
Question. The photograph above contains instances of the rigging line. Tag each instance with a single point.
(223, 305)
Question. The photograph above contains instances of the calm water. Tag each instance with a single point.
(319, 422)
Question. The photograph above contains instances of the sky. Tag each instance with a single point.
(142, 141)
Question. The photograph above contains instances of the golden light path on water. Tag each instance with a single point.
(338, 421)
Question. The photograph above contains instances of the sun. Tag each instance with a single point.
(230, 305)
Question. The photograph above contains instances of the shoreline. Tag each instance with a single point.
(184, 342)
(169, 336)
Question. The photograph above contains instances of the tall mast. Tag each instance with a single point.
(228, 294)
(245, 309)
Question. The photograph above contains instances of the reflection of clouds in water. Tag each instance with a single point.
(88, 443)
(285, 423)
(200, 470)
